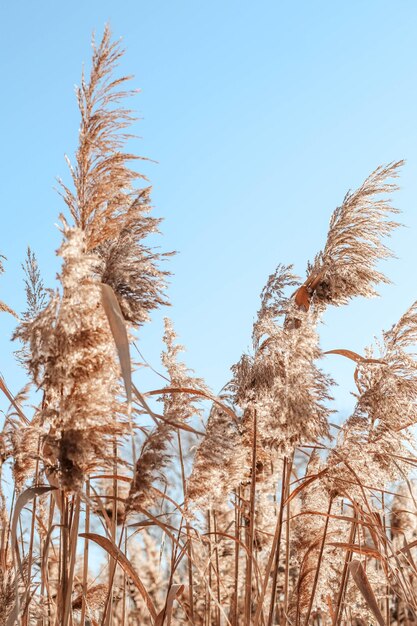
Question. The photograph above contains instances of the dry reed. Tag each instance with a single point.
(259, 517)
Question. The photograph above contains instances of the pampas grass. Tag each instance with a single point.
(249, 508)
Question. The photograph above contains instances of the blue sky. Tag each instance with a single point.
(260, 115)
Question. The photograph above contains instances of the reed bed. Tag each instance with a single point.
(254, 507)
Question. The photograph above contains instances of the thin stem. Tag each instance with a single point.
(251, 532)
(113, 529)
(86, 551)
(189, 541)
(75, 519)
(287, 557)
(320, 557)
(25, 615)
(208, 595)
(237, 547)
(284, 483)
(275, 545)
(345, 575)
(217, 540)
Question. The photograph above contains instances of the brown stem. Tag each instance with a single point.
(63, 555)
(251, 532)
(285, 473)
(317, 572)
(208, 594)
(75, 518)
(275, 544)
(216, 556)
(189, 542)
(345, 575)
(287, 555)
(25, 615)
(237, 546)
(86, 550)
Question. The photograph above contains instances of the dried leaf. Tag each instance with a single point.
(118, 556)
(362, 583)
(166, 613)
(194, 392)
(358, 549)
(304, 484)
(157, 416)
(118, 329)
(302, 298)
(354, 356)
(5, 390)
(21, 502)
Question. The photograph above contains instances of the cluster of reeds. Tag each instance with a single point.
(117, 512)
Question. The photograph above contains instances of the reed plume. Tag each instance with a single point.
(113, 215)
(72, 352)
(179, 407)
(73, 359)
(377, 435)
(282, 381)
(346, 267)
(220, 463)
(3, 306)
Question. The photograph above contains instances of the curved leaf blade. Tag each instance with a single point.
(119, 332)
(115, 552)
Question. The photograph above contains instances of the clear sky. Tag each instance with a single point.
(261, 116)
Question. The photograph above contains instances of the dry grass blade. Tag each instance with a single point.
(116, 554)
(156, 416)
(194, 392)
(353, 356)
(302, 297)
(21, 502)
(119, 332)
(358, 549)
(5, 390)
(362, 582)
(306, 483)
(165, 616)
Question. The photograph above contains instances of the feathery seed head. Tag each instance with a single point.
(346, 268)
(179, 407)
